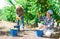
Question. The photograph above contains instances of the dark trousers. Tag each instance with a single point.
(18, 22)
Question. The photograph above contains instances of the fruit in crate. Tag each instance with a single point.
(14, 28)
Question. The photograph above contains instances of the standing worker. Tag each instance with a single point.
(20, 15)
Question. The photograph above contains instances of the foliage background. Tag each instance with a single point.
(31, 8)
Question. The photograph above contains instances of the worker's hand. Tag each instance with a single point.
(40, 27)
(45, 26)
(18, 18)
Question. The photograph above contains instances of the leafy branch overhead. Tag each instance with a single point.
(31, 8)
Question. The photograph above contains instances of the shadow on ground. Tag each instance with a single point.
(4, 33)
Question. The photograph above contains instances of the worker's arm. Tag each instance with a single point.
(50, 24)
(17, 17)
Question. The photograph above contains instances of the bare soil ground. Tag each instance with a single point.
(4, 32)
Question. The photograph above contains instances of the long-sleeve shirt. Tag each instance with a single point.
(49, 22)
(19, 11)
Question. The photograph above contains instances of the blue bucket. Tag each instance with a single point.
(13, 32)
(18, 27)
(39, 33)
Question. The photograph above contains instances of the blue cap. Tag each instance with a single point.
(50, 12)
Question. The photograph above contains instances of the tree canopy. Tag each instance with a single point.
(31, 8)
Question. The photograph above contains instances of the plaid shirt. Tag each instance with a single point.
(47, 22)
